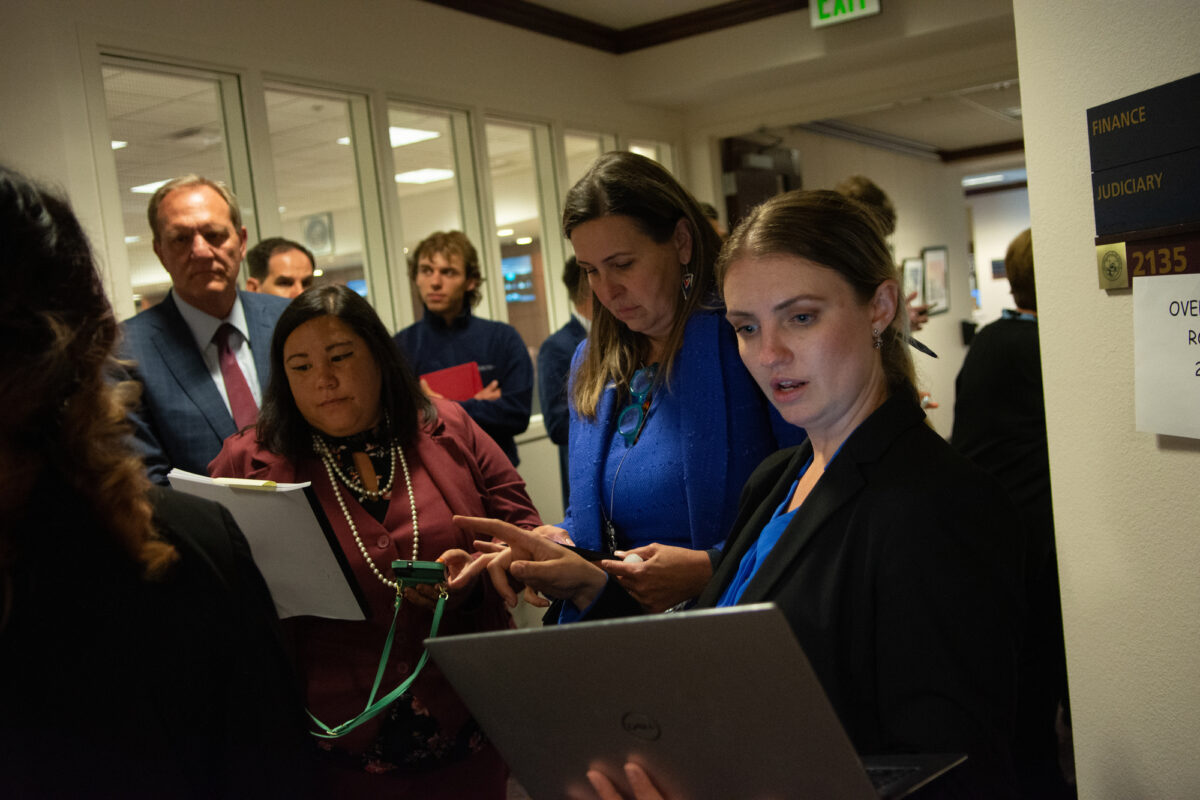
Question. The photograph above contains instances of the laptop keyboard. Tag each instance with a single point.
(885, 778)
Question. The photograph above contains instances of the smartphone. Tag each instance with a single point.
(411, 572)
(590, 555)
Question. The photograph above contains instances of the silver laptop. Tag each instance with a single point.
(716, 703)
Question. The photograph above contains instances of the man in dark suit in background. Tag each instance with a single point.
(280, 267)
(554, 365)
(202, 353)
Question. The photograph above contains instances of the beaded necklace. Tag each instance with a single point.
(332, 469)
(354, 486)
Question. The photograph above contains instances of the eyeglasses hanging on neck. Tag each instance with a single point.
(633, 416)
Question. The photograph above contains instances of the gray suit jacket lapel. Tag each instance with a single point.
(261, 328)
(177, 347)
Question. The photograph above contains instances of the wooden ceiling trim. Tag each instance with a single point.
(539, 19)
(704, 20)
(999, 148)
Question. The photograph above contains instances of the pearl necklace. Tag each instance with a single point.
(331, 469)
(356, 487)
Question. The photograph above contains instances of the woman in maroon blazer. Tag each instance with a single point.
(390, 468)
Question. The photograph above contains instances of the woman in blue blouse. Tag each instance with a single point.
(897, 563)
(656, 458)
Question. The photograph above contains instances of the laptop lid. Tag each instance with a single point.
(714, 703)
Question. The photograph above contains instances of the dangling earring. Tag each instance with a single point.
(687, 284)
(878, 338)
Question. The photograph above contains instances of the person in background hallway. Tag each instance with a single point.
(891, 555)
(666, 423)
(1000, 424)
(200, 354)
(389, 467)
(865, 191)
(140, 655)
(714, 219)
(554, 365)
(280, 267)
(444, 267)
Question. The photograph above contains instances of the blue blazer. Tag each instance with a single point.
(182, 420)
(733, 428)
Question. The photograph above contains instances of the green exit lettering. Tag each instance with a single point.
(829, 12)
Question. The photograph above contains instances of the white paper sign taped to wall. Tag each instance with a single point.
(1166, 349)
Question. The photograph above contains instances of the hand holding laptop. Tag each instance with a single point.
(639, 781)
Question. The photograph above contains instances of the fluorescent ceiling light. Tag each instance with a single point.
(427, 175)
(505, 232)
(132, 239)
(402, 136)
(117, 144)
(981, 180)
(148, 188)
(525, 240)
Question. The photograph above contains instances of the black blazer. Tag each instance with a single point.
(901, 577)
(114, 686)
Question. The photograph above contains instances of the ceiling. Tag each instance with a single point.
(172, 123)
(964, 122)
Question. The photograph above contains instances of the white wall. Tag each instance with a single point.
(996, 217)
(1126, 505)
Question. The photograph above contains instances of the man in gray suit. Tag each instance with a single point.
(202, 353)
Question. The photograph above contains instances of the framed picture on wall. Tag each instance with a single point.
(937, 295)
(912, 275)
(318, 233)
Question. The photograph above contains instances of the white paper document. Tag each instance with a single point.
(1166, 348)
(294, 553)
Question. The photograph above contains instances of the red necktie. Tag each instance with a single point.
(241, 399)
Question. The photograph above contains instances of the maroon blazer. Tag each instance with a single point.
(456, 468)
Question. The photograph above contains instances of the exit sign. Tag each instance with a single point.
(831, 12)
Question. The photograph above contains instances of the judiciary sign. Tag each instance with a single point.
(1145, 152)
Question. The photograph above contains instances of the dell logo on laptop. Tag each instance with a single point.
(641, 726)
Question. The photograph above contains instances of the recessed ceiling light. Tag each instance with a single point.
(427, 175)
(505, 232)
(132, 239)
(148, 188)
(525, 240)
(318, 273)
(344, 140)
(117, 144)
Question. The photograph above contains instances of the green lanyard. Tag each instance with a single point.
(375, 707)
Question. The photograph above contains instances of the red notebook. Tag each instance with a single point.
(460, 382)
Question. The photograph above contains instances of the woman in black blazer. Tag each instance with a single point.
(896, 562)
